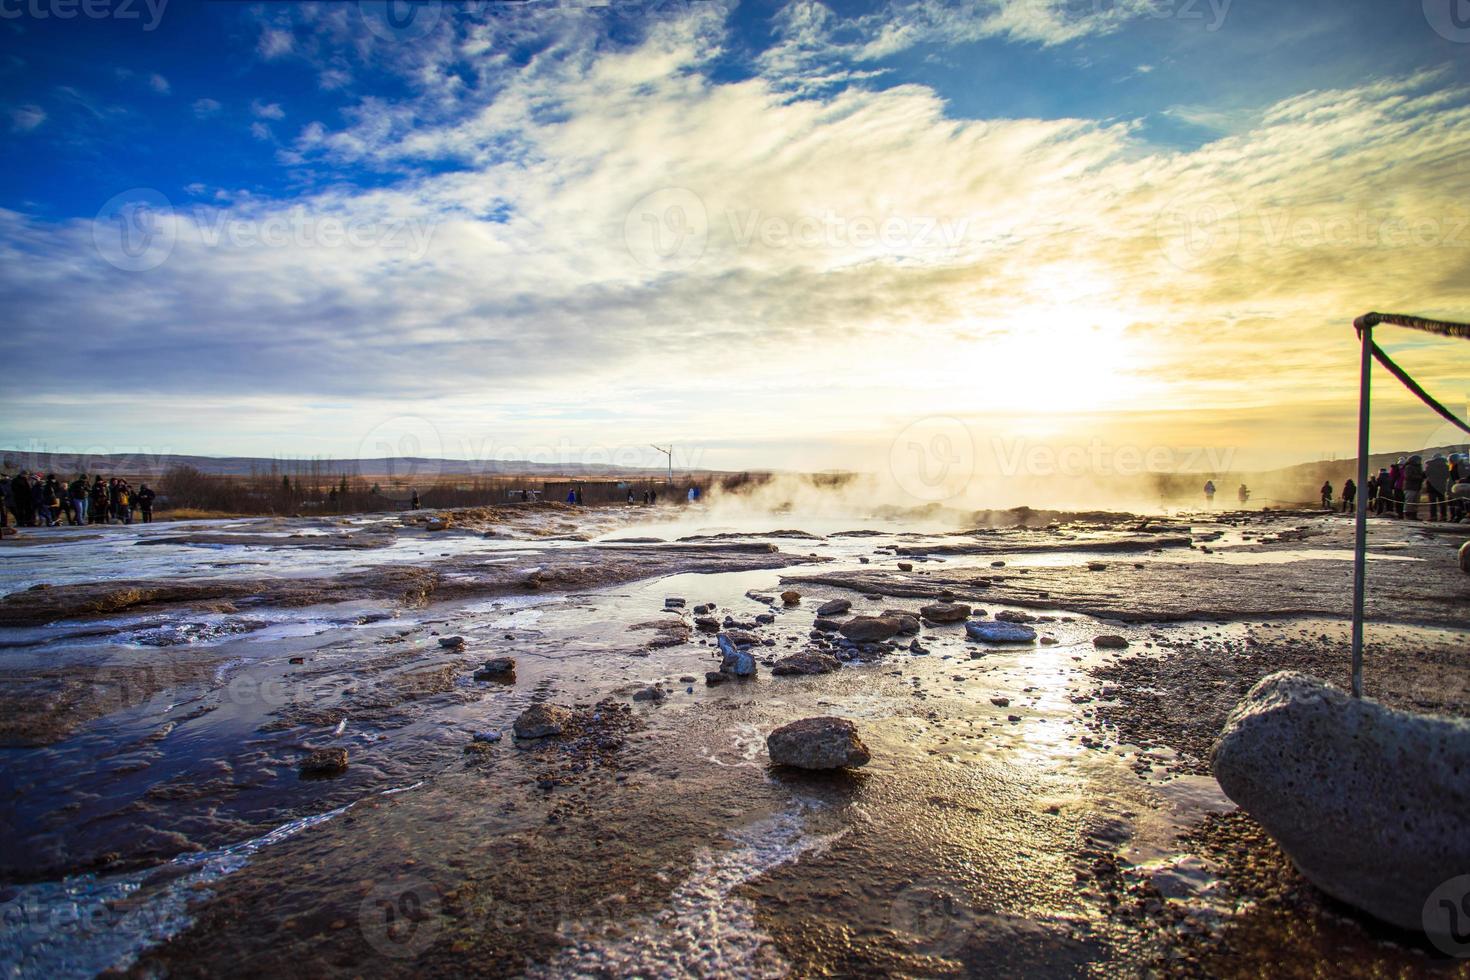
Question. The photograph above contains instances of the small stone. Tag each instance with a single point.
(870, 629)
(1001, 702)
(905, 566)
(805, 664)
(1000, 632)
(945, 612)
(735, 661)
(324, 763)
(707, 623)
(673, 602)
(500, 668)
(486, 737)
(714, 677)
(452, 642)
(834, 607)
(1008, 616)
(652, 693)
(1109, 641)
(1097, 566)
(791, 597)
(542, 720)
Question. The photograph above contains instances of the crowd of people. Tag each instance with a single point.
(1399, 489)
(34, 500)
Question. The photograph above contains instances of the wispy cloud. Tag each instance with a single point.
(204, 108)
(25, 118)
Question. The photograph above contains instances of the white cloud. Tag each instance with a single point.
(25, 118)
(158, 83)
(275, 43)
(260, 130)
(267, 110)
(863, 256)
(204, 108)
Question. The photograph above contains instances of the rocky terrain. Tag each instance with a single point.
(548, 741)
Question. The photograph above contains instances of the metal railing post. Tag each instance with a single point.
(1360, 544)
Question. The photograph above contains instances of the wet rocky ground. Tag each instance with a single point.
(1035, 809)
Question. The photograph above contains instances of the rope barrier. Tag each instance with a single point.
(1413, 386)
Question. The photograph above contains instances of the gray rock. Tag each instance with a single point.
(1008, 616)
(1000, 632)
(817, 743)
(834, 607)
(707, 623)
(714, 677)
(452, 642)
(652, 693)
(1368, 801)
(673, 602)
(826, 625)
(498, 669)
(734, 660)
(870, 629)
(542, 720)
(945, 612)
(805, 663)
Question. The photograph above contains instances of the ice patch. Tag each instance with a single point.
(706, 930)
(83, 925)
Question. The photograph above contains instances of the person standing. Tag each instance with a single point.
(1326, 495)
(1396, 476)
(42, 492)
(579, 496)
(1349, 496)
(1413, 486)
(145, 502)
(7, 500)
(1436, 486)
(20, 501)
(413, 501)
(98, 507)
(78, 491)
(1209, 493)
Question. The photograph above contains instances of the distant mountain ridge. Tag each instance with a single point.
(156, 464)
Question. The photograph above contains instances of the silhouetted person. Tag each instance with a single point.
(1326, 495)
(145, 502)
(1349, 496)
(413, 501)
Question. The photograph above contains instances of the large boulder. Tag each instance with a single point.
(542, 720)
(870, 629)
(1000, 632)
(945, 612)
(817, 743)
(735, 660)
(1370, 802)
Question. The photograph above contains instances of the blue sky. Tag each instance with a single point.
(497, 165)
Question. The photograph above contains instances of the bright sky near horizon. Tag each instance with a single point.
(781, 234)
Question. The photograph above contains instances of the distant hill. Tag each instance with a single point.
(154, 465)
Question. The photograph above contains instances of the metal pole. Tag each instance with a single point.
(1360, 544)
